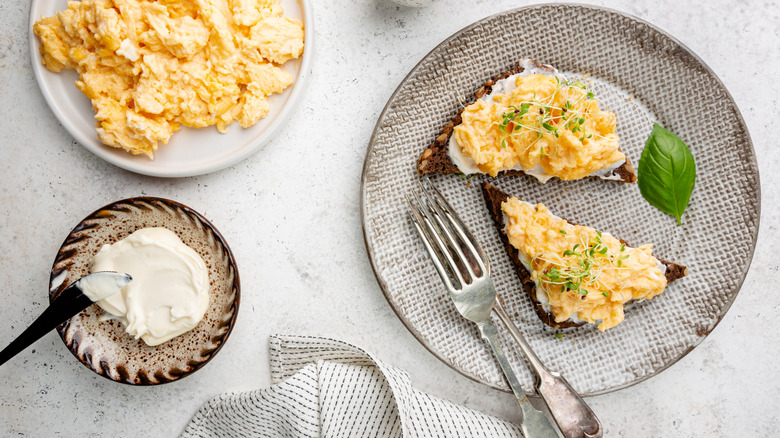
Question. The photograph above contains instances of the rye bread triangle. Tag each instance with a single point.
(494, 197)
(436, 159)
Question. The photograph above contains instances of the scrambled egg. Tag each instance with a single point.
(542, 122)
(151, 66)
(582, 271)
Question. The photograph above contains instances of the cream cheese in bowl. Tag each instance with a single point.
(100, 340)
(169, 293)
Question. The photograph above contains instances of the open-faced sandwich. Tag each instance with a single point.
(530, 120)
(575, 274)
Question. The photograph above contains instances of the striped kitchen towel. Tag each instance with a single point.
(328, 388)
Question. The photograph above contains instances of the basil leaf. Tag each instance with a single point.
(666, 172)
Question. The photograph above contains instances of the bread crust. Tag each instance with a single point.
(435, 158)
(494, 198)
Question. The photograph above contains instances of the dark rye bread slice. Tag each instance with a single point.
(494, 197)
(436, 159)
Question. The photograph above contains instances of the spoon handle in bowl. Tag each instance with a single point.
(70, 302)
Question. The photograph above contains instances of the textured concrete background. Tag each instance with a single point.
(291, 215)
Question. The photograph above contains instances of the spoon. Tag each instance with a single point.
(75, 298)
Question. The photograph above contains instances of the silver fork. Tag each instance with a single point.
(465, 270)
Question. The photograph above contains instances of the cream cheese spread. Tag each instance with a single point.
(169, 293)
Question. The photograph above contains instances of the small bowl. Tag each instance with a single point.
(102, 345)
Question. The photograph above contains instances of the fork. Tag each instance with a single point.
(464, 269)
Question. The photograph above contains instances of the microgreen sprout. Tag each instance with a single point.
(551, 118)
(513, 116)
(581, 267)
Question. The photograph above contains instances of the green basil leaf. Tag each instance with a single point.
(666, 172)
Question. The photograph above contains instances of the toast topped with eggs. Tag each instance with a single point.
(574, 274)
(530, 120)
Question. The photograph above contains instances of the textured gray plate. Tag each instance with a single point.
(103, 346)
(643, 75)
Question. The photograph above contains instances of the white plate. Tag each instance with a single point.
(190, 151)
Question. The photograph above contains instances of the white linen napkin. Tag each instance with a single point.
(328, 388)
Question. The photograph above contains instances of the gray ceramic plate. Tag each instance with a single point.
(103, 346)
(643, 75)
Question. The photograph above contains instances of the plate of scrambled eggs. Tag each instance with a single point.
(642, 76)
(169, 88)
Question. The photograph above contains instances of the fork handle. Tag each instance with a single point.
(573, 416)
(535, 424)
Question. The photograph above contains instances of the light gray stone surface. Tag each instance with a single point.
(291, 215)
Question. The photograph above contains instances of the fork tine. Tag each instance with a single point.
(434, 230)
(457, 224)
(447, 227)
(441, 227)
(445, 266)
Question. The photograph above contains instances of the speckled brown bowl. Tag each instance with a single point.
(102, 345)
